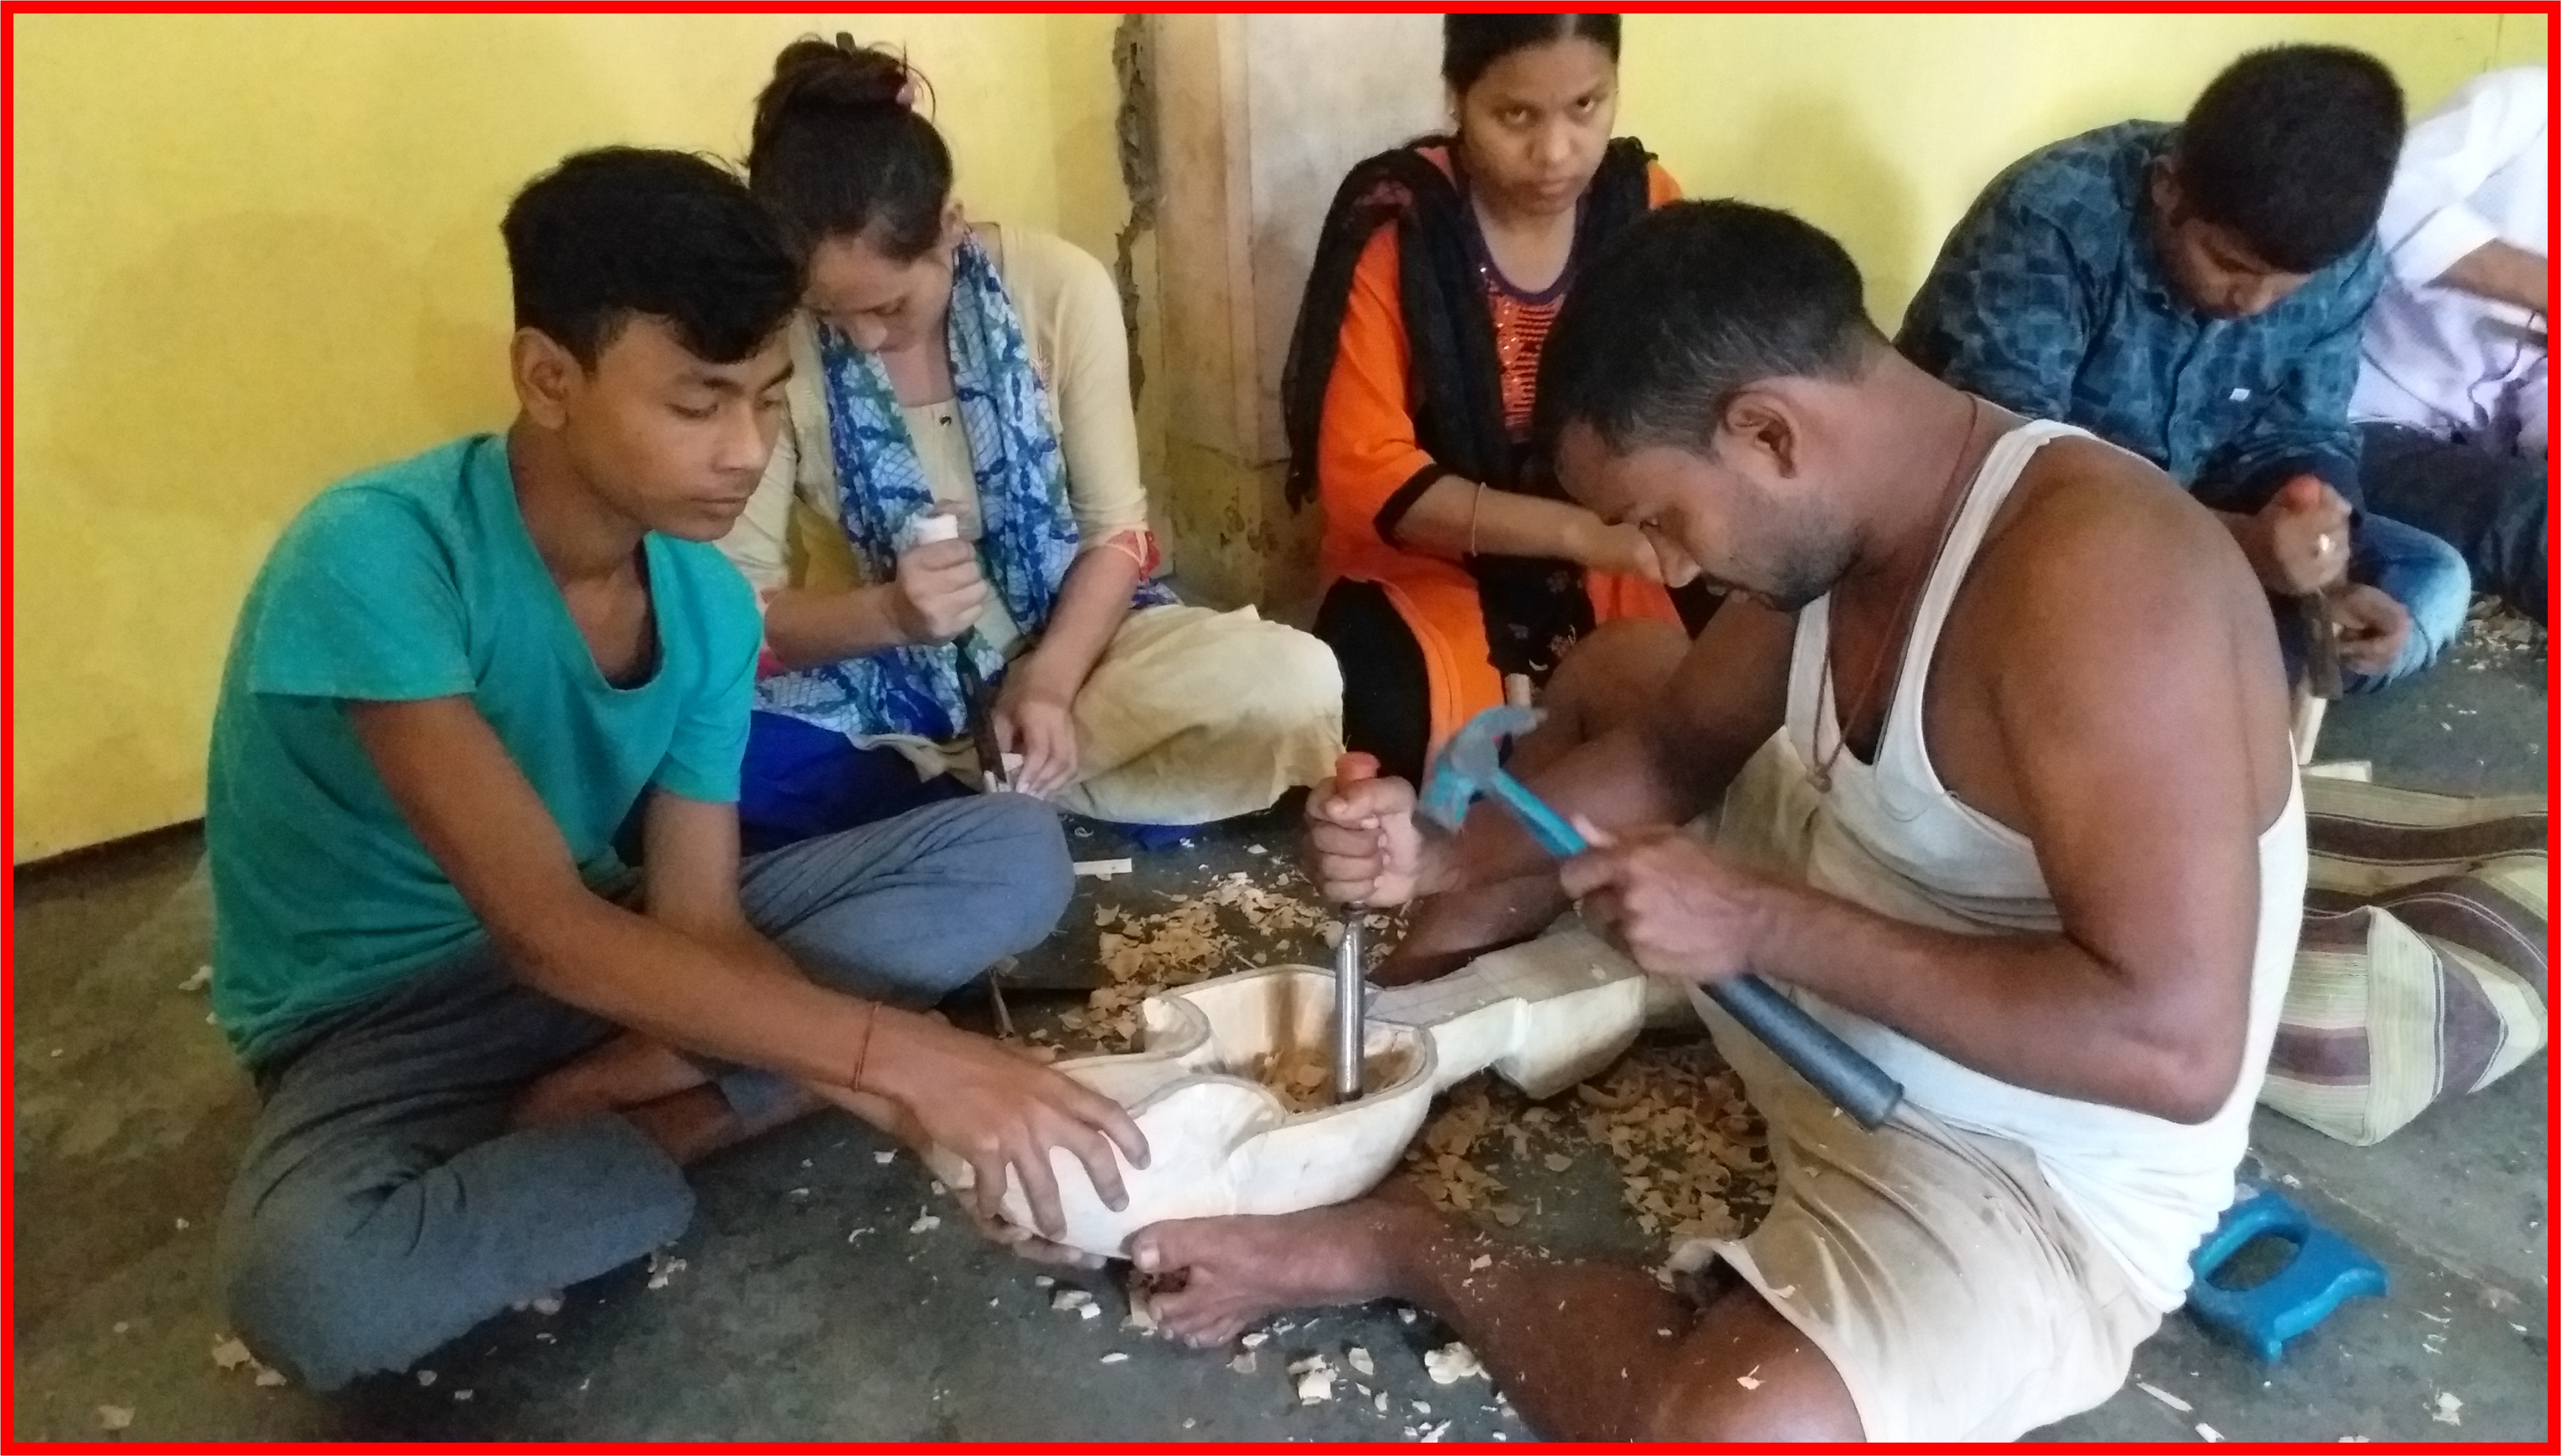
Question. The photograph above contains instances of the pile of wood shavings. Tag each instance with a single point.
(1689, 1151)
(2495, 633)
(1444, 1160)
(1194, 940)
(1303, 1077)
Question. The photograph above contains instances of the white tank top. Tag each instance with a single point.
(1892, 838)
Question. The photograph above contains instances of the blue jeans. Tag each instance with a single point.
(2420, 571)
(385, 1205)
(2491, 504)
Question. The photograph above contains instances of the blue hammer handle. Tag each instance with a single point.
(1855, 1084)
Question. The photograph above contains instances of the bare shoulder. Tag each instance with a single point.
(2109, 607)
(2092, 533)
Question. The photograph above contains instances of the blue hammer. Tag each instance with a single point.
(1471, 765)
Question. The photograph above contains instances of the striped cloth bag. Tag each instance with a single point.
(2421, 971)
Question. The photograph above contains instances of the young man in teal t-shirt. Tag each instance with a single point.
(485, 1046)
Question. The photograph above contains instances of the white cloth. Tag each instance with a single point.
(1891, 837)
(2475, 170)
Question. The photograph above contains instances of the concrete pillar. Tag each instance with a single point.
(1257, 119)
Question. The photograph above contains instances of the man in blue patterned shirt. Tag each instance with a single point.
(2194, 294)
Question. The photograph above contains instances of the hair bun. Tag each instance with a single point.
(841, 73)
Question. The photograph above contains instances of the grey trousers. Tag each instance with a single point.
(385, 1206)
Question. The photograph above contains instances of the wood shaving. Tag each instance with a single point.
(1114, 1358)
(230, 1355)
(926, 1222)
(1071, 1299)
(663, 1267)
(425, 1379)
(1358, 1358)
(1750, 1380)
(2496, 634)
(270, 1377)
(1315, 1380)
(203, 977)
(2163, 1396)
(1244, 1364)
(2449, 1409)
(1142, 1290)
(2208, 1432)
(1452, 1364)
(885, 1156)
(114, 1417)
(546, 1305)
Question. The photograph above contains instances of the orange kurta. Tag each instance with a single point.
(1367, 451)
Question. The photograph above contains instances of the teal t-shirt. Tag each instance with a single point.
(419, 581)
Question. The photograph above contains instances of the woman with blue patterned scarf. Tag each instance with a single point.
(981, 374)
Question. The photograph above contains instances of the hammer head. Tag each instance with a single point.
(1470, 762)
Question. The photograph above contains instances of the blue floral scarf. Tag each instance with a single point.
(1028, 530)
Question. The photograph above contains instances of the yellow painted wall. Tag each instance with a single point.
(258, 252)
(1881, 128)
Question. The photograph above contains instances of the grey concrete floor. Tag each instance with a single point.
(807, 1309)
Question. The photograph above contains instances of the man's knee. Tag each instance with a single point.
(1693, 1413)
(1013, 851)
(2433, 582)
(1612, 672)
(1299, 680)
(312, 1302)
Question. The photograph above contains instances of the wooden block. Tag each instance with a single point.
(1231, 1090)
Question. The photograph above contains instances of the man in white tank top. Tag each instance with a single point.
(1984, 760)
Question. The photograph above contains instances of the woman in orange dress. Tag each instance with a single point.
(1450, 561)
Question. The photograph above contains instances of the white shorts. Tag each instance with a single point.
(1956, 1296)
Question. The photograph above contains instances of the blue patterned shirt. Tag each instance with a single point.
(2050, 299)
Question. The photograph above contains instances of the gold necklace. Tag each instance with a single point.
(1823, 770)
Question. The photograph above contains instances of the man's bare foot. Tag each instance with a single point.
(1237, 1272)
